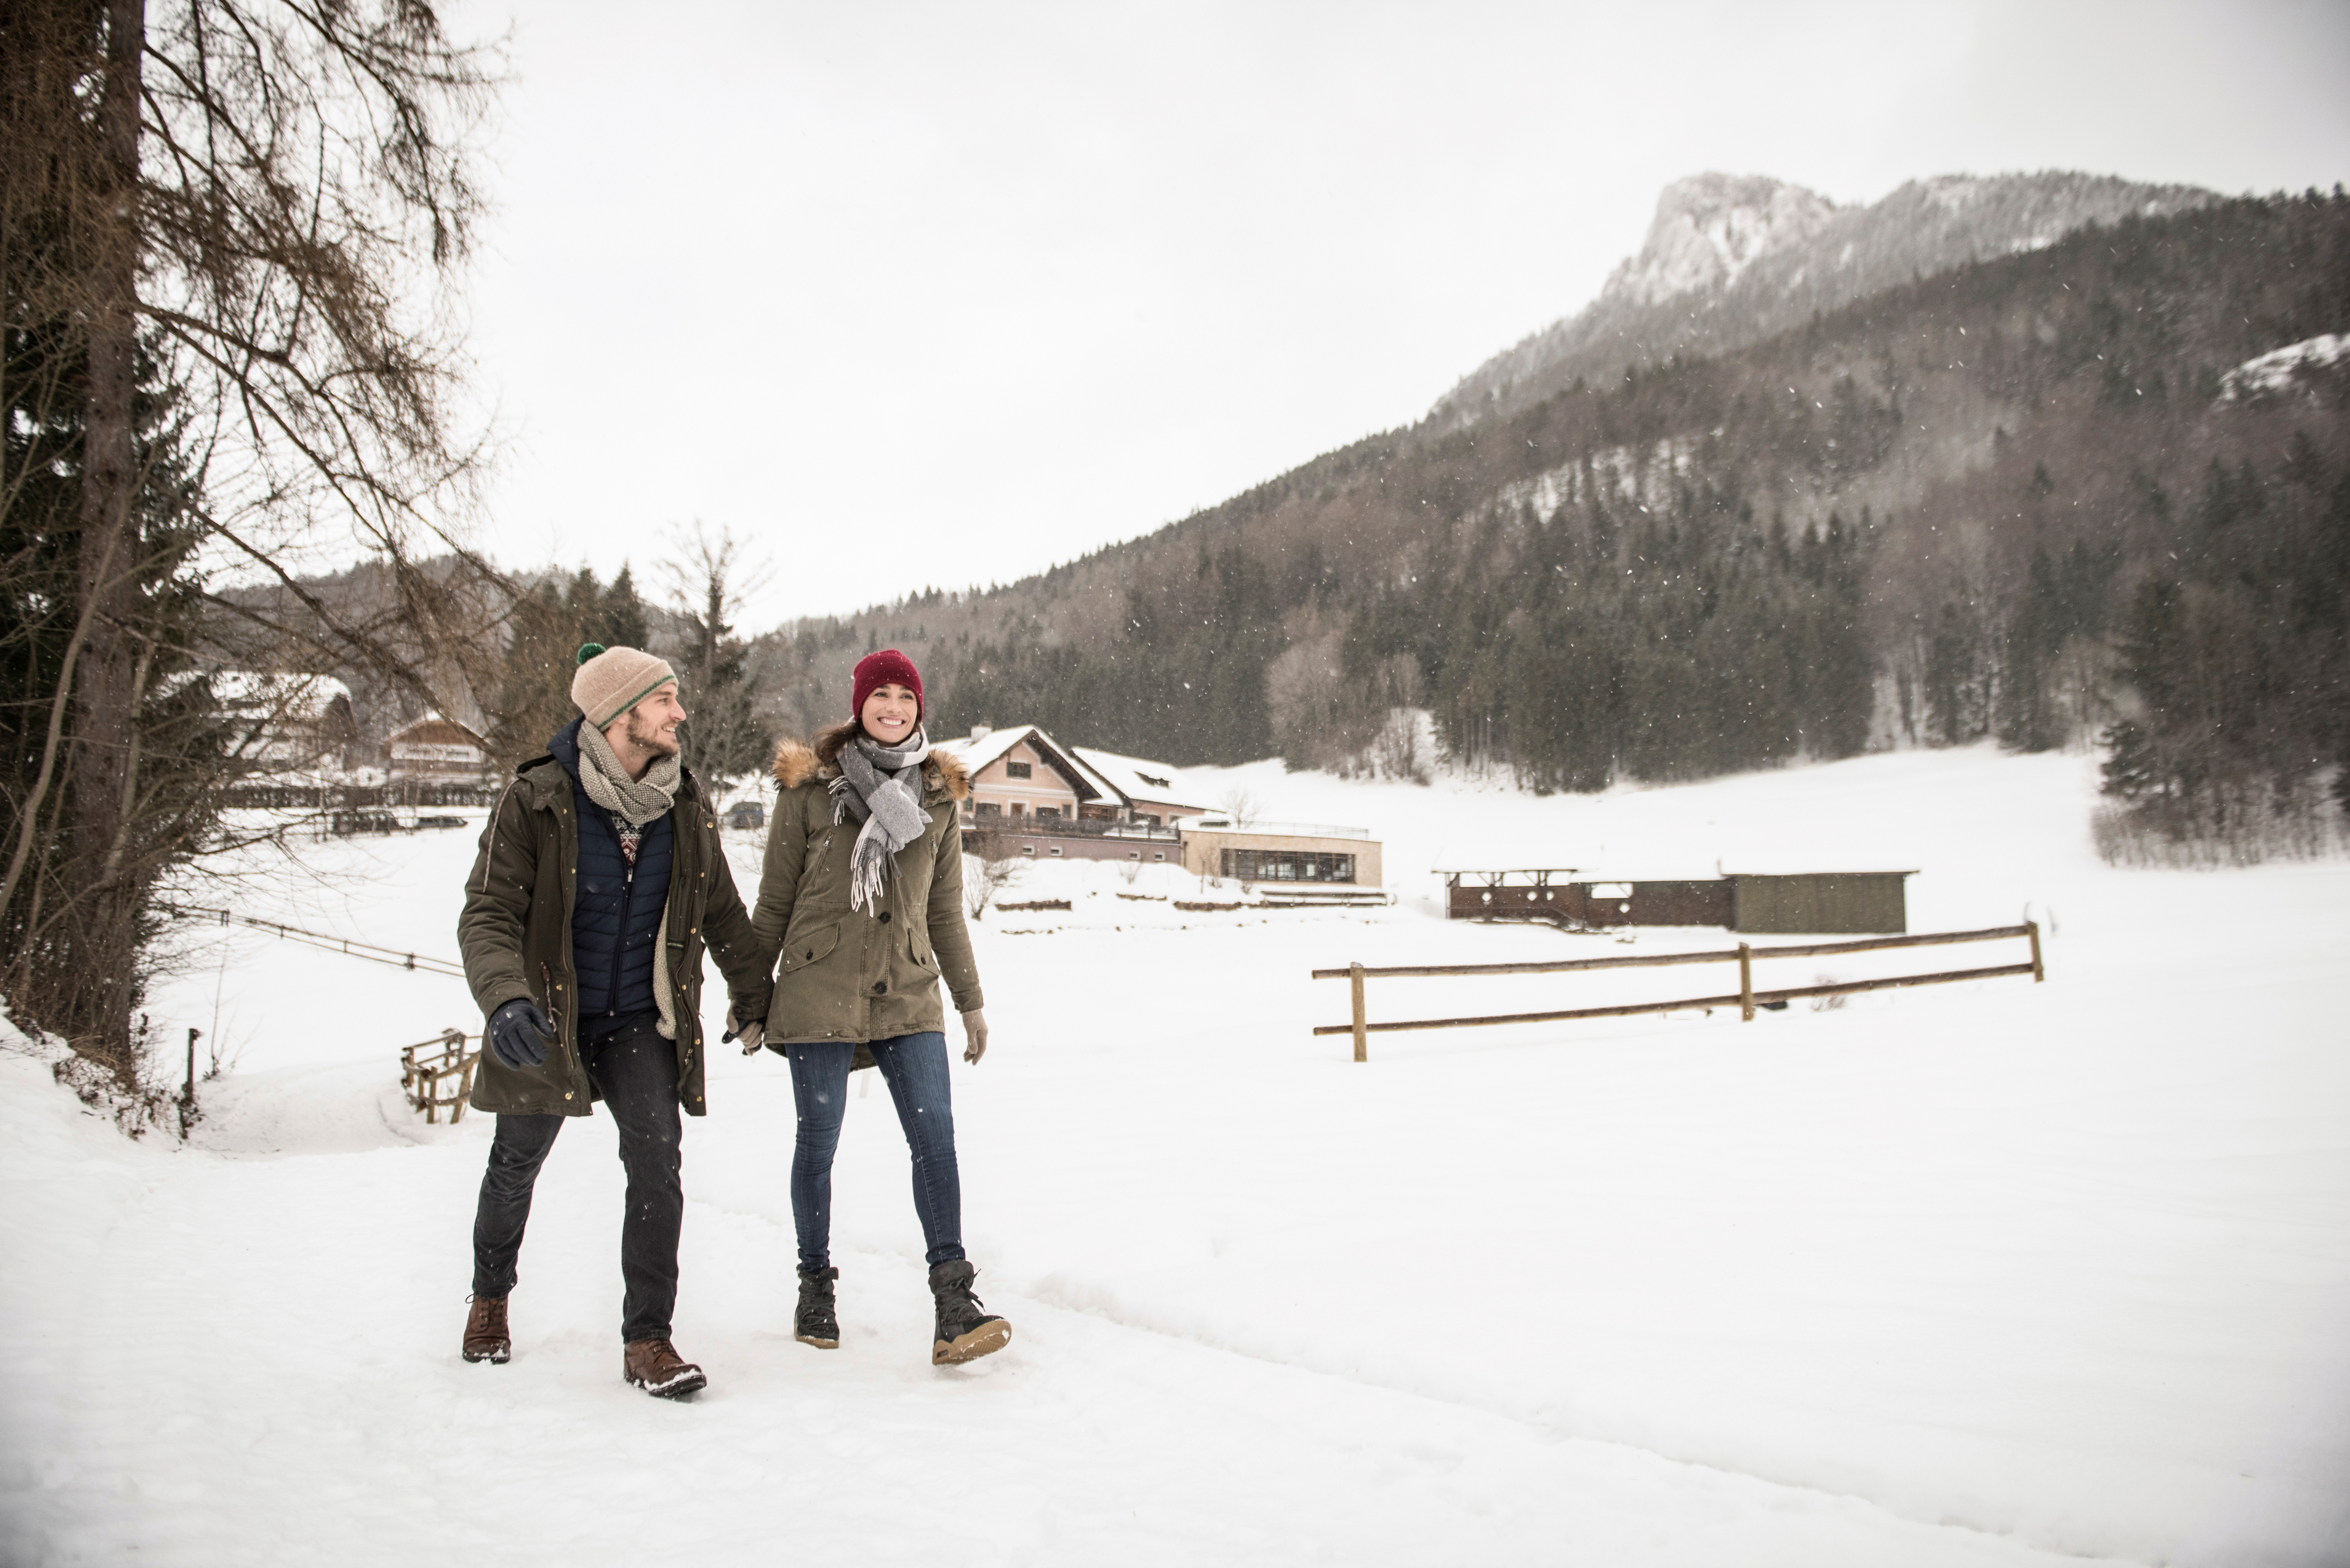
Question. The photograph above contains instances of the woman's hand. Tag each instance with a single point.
(974, 1034)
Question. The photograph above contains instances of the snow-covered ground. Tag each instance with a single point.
(1990, 1273)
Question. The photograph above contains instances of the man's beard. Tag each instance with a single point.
(641, 731)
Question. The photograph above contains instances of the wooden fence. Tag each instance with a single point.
(1744, 955)
(438, 1073)
(349, 946)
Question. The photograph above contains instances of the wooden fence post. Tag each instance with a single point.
(1745, 984)
(2038, 974)
(1355, 977)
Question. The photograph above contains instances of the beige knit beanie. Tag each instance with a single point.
(612, 681)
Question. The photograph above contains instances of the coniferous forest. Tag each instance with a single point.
(2025, 501)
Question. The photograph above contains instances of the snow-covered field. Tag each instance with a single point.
(1991, 1273)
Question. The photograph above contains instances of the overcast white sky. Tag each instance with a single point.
(918, 294)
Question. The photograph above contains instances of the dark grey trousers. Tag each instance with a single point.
(634, 1070)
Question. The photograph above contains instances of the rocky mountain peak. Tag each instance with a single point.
(1708, 228)
(1731, 259)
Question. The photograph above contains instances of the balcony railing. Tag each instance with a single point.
(1030, 826)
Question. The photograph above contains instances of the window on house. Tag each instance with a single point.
(1018, 769)
(1287, 865)
(987, 808)
(1048, 813)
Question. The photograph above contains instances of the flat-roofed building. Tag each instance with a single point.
(1214, 845)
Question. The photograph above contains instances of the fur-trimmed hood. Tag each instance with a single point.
(803, 761)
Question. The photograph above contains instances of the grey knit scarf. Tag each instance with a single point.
(608, 783)
(881, 786)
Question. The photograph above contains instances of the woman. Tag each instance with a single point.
(862, 898)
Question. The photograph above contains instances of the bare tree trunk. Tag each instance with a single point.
(104, 922)
(243, 295)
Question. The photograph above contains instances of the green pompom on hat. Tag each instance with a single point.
(589, 650)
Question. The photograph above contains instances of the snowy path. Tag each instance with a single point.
(1994, 1274)
(275, 1384)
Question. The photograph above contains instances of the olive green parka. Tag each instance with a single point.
(851, 974)
(515, 936)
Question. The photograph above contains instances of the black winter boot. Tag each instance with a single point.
(812, 1321)
(964, 1333)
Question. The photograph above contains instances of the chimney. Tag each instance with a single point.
(980, 731)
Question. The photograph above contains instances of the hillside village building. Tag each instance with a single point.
(435, 750)
(286, 723)
(1034, 795)
(1066, 801)
(1022, 773)
(1147, 788)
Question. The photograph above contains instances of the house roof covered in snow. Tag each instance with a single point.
(288, 696)
(438, 727)
(976, 752)
(1134, 778)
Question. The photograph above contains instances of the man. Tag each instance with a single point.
(598, 884)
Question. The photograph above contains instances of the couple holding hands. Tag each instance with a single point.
(600, 883)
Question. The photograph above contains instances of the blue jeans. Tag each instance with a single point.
(915, 1068)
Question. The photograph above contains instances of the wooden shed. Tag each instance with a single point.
(1829, 903)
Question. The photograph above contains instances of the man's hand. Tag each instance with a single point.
(520, 1034)
(974, 1034)
(753, 1034)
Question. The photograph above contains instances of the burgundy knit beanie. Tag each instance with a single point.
(879, 670)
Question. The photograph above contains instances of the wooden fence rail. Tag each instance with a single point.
(438, 1073)
(1746, 1000)
(349, 946)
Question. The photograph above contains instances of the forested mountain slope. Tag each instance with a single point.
(2020, 498)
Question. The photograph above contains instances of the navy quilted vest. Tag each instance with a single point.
(616, 917)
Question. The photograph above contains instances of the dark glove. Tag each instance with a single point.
(520, 1034)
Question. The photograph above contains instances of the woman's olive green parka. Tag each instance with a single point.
(860, 975)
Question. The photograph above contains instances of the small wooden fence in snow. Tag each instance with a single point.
(438, 1073)
(1743, 955)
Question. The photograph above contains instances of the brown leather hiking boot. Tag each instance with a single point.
(655, 1366)
(485, 1330)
